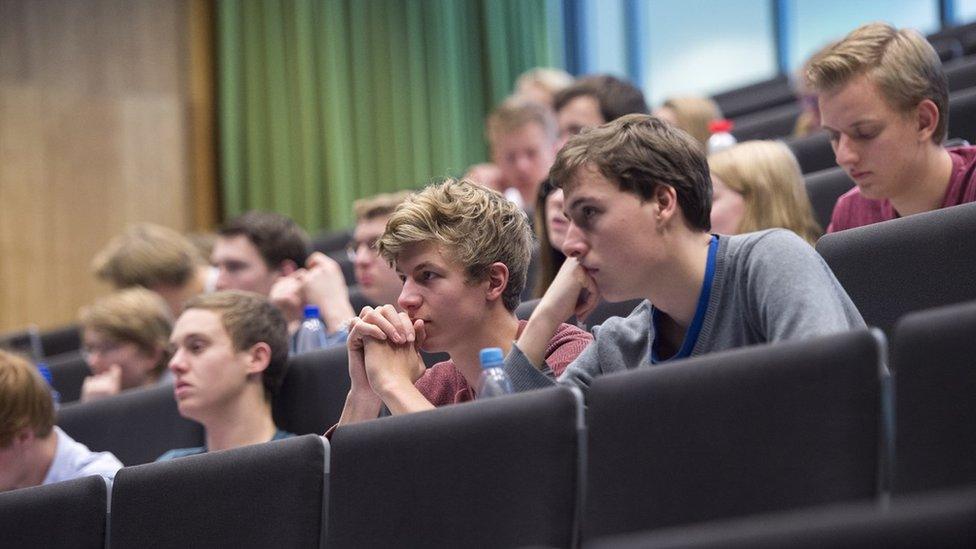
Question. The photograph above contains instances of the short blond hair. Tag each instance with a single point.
(135, 315)
(549, 79)
(516, 113)
(693, 115)
(380, 205)
(147, 255)
(901, 62)
(476, 226)
(25, 399)
(768, 177)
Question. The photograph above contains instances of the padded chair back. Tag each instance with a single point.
(68, 373)
(332, 241)
(23, 342)
(524, 310)
(947, 48)
(771, 123)
(357, 299)
(813, 152)
(752, 430)
(137, 426)
(933, 363)
(755, 97)
(962, 115)
(496, 473)
(265, 495)
(313, 392)
(348, 271)
(946, 520)
(908, 264)
(824, 188)
(61, 340)
(961, 74)
(64, 514)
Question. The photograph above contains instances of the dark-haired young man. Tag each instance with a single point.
(638, 196)
(595, 100)
(230, 355)
(256, 248)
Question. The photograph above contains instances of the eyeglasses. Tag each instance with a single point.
(102, 349)
(353, 248)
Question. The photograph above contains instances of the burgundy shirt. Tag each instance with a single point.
(853, 210)
(443, 383)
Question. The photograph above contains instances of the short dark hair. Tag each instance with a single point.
(640, 152)
(616, 97)
(277, 237)
(250, 318)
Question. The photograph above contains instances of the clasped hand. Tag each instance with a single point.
(384, 349)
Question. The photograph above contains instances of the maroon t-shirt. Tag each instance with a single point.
(443, 383)
(853, 210)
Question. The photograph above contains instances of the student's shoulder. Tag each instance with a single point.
(181, 452)
(632, 327)
(768, 241)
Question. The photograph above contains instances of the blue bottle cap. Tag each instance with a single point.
(491, 356)
(311, 311)
(45, 372)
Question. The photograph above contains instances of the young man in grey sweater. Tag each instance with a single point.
(638, 195)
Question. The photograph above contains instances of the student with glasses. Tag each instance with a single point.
(322, 283)
(124, 341)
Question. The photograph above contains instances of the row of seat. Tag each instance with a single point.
(814, 152)
(42, 345)
(889, 269)
(778, 121)
(756, 430)
(952, 45)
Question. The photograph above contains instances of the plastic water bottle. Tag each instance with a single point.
(311, 335)
(46, 374)
(494, 380)
(721, 138)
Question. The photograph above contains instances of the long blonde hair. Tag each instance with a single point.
(768, 177)
(693, 115)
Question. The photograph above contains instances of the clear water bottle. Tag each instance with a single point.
(721, 138)
(494, 380)
(311, 334)
(46, 374)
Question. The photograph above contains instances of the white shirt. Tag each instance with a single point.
(74, 460)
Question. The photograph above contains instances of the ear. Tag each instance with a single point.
(258, 358)
(665, 203)
(927, 118)
(287, 267)
(24, 437)
(497, 280)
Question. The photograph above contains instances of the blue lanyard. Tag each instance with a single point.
(691, 336)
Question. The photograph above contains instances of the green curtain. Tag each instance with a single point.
(321, 102)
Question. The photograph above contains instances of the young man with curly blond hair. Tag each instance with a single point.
(463, 253)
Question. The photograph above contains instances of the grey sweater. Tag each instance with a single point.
(768, 286)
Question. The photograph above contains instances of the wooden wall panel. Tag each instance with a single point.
(95, 135)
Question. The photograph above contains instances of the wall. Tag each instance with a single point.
(97, 112)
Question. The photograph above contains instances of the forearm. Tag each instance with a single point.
(535, 337)
(360, 406)
(402, 397)
(335, 310)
